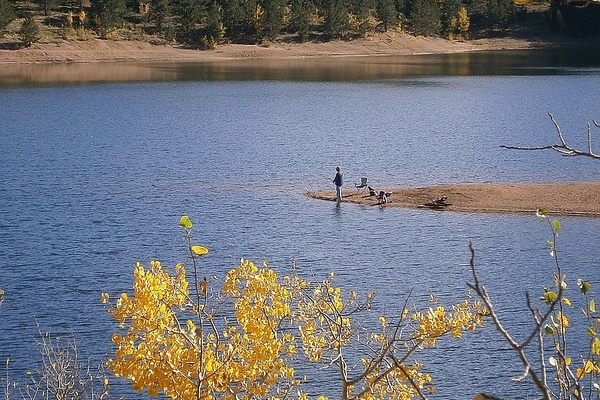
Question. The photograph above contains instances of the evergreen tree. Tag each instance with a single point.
(214, 25)
(188, 14)
(300, 23)
(424, 17)
(108, 14)
(30, 31)
(386, 13)
(401, 7)
(7, 15)
(336, 18)
(500, 13)
(449, 13)
(364, 19)
(237, 18)
(160, 10)
(272, 17)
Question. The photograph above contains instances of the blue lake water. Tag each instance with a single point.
(95, 176)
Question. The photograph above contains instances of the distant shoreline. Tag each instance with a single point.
(565, 198)
(100, 50)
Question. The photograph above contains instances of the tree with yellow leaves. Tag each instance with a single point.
(176, 343)
(240, 341)
(334, 331)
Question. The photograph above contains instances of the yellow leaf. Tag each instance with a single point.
(104, 297)
(564, 321)
(199, 250)
(596, 346)
(588, 367)
(592, 305)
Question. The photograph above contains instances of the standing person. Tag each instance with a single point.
(338, 181)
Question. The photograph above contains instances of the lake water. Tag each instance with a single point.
(95, 175)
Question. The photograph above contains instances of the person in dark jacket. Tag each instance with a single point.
(338, 182)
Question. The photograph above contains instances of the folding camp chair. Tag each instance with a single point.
(362, 185)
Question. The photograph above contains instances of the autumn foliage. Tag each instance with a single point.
(242, 337)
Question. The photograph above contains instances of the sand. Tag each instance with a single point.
(565, 198)
(99, 50)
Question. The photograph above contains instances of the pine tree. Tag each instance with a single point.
(449, 14)
(237, 18)
(159, 11)
(363, 15)
(336, 19)
(30, 31)
(500, 13)
(7, 15)
(424, 17)
(386, 13)
(214, 26)
(301, 18)
(272, 18)
(188, 14)
(108, 14)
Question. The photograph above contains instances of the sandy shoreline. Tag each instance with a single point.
(98, 50)
(568, 198)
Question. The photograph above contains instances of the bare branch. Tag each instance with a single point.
(563, 148)
(518, 348)
(558, 130)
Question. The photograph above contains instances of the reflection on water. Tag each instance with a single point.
(98, 176)
(56, 74)
(364, 68)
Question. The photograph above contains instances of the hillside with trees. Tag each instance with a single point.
(207, 23)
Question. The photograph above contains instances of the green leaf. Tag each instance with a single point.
(541, 212)
(549, 330)
(548, 297)
(185, 222)
(584, 286)
(556, 225)
(592, 305)
(199, 250)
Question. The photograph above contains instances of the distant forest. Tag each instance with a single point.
(206, 23)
